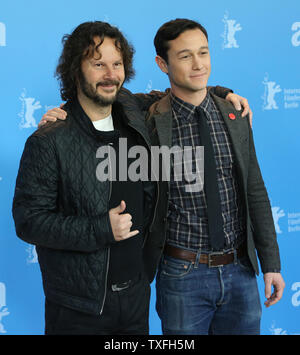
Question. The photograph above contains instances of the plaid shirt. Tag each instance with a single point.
(187, 213)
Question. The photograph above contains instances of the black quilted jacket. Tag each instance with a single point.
(61, 207)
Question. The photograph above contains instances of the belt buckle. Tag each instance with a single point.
(119, 287)
(210, 261)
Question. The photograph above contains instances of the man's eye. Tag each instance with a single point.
(187, 56)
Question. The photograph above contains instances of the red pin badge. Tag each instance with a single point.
(232, 116)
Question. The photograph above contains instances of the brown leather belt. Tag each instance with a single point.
(213, 259)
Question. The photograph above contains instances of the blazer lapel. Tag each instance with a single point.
(163, 121)
(163, 124)
(238, 132)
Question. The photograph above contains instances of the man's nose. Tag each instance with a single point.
(197, 63)
(109, 72)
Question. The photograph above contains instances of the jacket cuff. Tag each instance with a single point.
(104, 235)
(272, 270)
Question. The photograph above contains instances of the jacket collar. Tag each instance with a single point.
(131, 116)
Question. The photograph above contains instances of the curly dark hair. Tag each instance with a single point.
(77, 46)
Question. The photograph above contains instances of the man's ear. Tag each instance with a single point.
(163, 66)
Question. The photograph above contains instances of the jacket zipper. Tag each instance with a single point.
(155, 208)
(156, 203)
(108, 255)
(105, 290)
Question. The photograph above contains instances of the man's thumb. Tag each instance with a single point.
(121, 208)
(268, 288)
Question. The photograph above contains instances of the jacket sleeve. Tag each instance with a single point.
(261, 215)
(35, 205)
(144, 101)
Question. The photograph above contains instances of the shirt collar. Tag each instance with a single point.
(186, 110)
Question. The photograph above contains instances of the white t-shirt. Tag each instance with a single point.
(105, 124)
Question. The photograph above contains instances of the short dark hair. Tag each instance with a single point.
(77, 46)
(171, 30)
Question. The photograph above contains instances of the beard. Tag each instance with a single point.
(91, 92)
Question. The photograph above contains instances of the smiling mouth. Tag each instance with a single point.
(109, 84)
(198, 76)
(108, 88)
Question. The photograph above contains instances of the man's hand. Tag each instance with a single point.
(239, 102)
(52, 115)
(121, 223)
(275, 279)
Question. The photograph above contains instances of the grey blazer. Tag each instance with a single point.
(261, 236)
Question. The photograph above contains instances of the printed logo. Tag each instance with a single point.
(296, 36)
(3, 309)
(277, 213)
(277, 331)
(291, 220)
(271, 89)
(231, 27)
(29, 106)
(294, 222)
(2, 35)
(32, 257)
(291, 97)
(186, 164)
(149, 87)
(296, 295)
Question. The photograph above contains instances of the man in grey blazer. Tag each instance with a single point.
(206, 282)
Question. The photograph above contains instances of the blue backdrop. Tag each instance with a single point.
(255, 50)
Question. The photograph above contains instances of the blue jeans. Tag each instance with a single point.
(196, 299)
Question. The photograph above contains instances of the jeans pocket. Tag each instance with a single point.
(172, 267)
